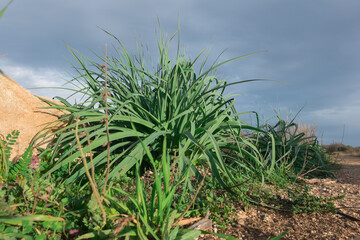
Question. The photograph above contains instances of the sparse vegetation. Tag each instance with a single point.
(336, 147)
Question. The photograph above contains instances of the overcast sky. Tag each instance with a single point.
(313, 46)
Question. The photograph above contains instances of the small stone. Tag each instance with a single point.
(240, 221)
(265, 217)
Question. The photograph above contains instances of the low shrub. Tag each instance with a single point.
(336, 147)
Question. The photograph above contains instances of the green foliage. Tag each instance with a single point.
(297, 200)
(177, 148)
(21, 168)
(156, 216)
(5, 208)
(218, 201)
(148, 213)
(94, 220)
(4, 165)
(24, 227)
(173, 100)
(294, 152)
(305, 202)
(28, 205)
(10, 140)
(23, 220)
(5, 152)
(222, 207)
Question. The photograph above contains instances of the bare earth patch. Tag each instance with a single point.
(263, 223)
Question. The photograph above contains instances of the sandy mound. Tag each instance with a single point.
(20, 110)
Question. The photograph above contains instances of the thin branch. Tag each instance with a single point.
(87, 172)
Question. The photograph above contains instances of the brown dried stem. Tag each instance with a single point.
(87, 172)
(91, 156)
(107, 126)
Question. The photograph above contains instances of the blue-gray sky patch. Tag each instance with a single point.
(312, 45)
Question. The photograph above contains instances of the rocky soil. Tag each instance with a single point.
(264, 223)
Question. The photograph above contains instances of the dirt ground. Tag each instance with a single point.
(263, 223)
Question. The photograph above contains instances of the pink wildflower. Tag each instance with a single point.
(74, 232)
(35, 162)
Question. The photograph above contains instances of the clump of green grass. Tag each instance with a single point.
(297, 150)
(171, 100)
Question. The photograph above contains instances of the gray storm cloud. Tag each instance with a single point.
(313, 46)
